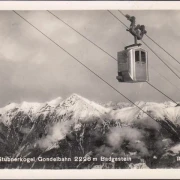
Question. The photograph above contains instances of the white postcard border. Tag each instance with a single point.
(90, 174)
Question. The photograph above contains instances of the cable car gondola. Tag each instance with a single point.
(133, 60)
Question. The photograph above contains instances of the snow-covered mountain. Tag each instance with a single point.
(147, 132)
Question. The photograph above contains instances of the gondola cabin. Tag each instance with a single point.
(133, 65)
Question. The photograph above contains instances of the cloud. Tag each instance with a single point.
(128, 135)
(147, 123)
(56, 133)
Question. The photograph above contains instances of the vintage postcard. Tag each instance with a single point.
(89, 89)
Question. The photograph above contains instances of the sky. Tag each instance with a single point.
(32, 68)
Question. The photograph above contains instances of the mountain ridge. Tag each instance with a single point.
(76, 126)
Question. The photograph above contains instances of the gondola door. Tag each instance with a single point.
(140, 65)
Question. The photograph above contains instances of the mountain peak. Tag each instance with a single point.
(8, 107)
(72, 99)
(30, 106)
(54, 102)
(11, 106)
(75, 96)
(82, 108)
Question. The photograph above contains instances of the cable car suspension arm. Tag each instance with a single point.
(137, 31)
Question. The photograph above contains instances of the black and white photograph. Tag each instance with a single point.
(89, 89)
